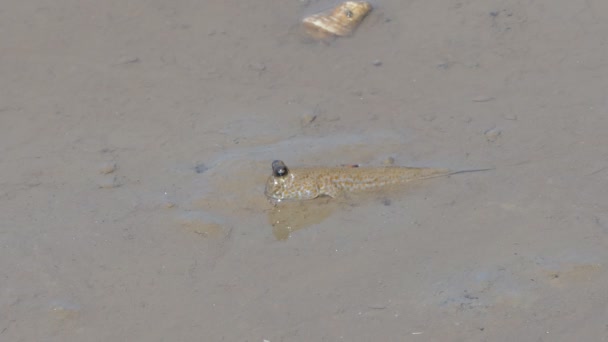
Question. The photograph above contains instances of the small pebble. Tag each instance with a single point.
(200, 168)
(377, 62)
(444, 65)
(492, 134)
(107, 167)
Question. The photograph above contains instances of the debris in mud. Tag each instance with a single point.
(338, 22)
(107, 167)
(492, 134)
(106, 178)
(200, 168)
(443, 65)
(307, 119)
(168, 205)
(127, 60)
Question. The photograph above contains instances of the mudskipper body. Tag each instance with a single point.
(311, 182)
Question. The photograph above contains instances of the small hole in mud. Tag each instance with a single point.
(200, 168)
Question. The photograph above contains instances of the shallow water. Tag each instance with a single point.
(136, 138)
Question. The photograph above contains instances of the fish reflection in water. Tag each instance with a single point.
(293, 216)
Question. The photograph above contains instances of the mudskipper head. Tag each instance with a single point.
(275, 186)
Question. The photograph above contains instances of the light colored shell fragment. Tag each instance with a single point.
(340, 21)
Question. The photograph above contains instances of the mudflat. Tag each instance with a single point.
(135, 144)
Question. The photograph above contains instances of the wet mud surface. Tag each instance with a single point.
(136, 138)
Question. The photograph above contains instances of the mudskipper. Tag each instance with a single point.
(311, 182)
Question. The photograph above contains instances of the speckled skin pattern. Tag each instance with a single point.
(309, 183)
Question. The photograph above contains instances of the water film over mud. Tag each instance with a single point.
(136, 138)
(230, 190)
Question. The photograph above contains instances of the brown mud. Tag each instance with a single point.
(136, 138)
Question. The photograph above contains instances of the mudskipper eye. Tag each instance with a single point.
(279, 169)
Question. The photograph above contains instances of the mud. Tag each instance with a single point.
(136, 138)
